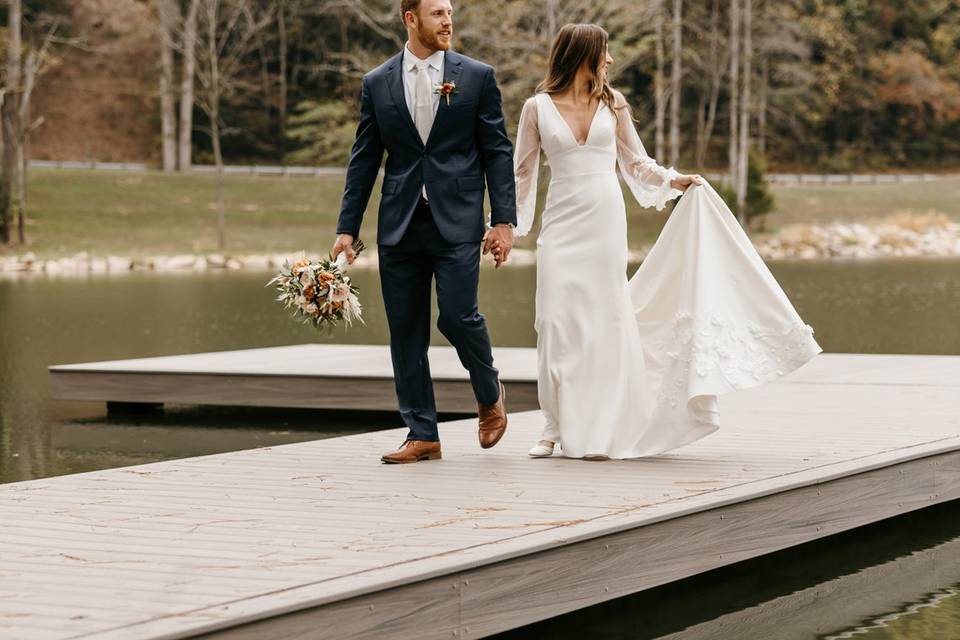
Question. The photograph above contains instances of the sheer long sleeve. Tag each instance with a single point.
(648, 181)
(526, 166)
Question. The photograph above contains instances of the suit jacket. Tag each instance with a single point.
(468, 143)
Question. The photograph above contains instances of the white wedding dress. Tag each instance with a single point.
(632, 368)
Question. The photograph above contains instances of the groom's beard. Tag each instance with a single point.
(432, 40)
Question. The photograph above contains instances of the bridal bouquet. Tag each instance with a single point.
(320, 293)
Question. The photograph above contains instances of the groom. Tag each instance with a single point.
(438, 117)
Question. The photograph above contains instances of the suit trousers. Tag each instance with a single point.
(406, 274)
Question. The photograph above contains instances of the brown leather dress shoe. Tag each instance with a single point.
(493, 421)
(413, 451)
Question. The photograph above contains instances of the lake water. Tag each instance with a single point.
(902, 306)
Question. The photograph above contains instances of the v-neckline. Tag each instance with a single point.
(567, 124)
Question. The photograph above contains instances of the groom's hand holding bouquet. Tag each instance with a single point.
(344, 244)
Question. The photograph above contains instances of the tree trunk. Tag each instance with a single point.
(9, 113)
(221, 205)
(762, 108)
(168, 12)
(732, 155)
(744, 146)
(551, 18)
(660, 103)
(31, 70)
(675, 82)
(267, 87)
(22, 189)
(712, 113)
(716, 77)
(701, 127)
(214, 89)
(282, 89)
(186, 85)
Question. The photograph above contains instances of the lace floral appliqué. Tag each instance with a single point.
(744, 355)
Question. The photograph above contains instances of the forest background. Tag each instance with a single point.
(828, 85)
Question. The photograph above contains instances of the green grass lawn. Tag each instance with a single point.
(106, 213)
(808, 204)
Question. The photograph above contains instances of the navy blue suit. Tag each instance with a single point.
(419, 242)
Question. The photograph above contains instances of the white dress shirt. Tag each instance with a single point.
(410, 61)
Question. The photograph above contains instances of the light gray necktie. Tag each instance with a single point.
(423, 102)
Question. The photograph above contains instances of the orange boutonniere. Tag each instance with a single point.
(446, 89)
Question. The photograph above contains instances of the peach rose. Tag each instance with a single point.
(339, 293)
(325, 278)
(303, 262)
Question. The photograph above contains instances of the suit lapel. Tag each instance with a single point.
(452, 66)
(395, 83)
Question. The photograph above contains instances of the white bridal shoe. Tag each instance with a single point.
(543, 449)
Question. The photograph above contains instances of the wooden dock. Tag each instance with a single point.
(319, 540)
(303, 376)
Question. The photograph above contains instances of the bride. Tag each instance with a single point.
(631, 368)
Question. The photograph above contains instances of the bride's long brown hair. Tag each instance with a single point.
(574, 46)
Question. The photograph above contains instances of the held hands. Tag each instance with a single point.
(684, 182)
(344, 244)
(498, 241)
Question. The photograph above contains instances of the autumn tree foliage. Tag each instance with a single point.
(821, 85)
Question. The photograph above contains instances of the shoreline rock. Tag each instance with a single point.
(903, 235)
(84, 264)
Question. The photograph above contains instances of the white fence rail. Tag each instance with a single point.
(93, 164)
(254, 170)
(785, 179)
(797, 179)
(266, 170)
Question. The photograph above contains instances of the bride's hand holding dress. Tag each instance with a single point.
(683, 183)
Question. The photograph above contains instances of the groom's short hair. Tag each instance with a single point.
(408, 5)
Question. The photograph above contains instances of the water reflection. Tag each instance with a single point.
(895, 580)
(936, 616)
